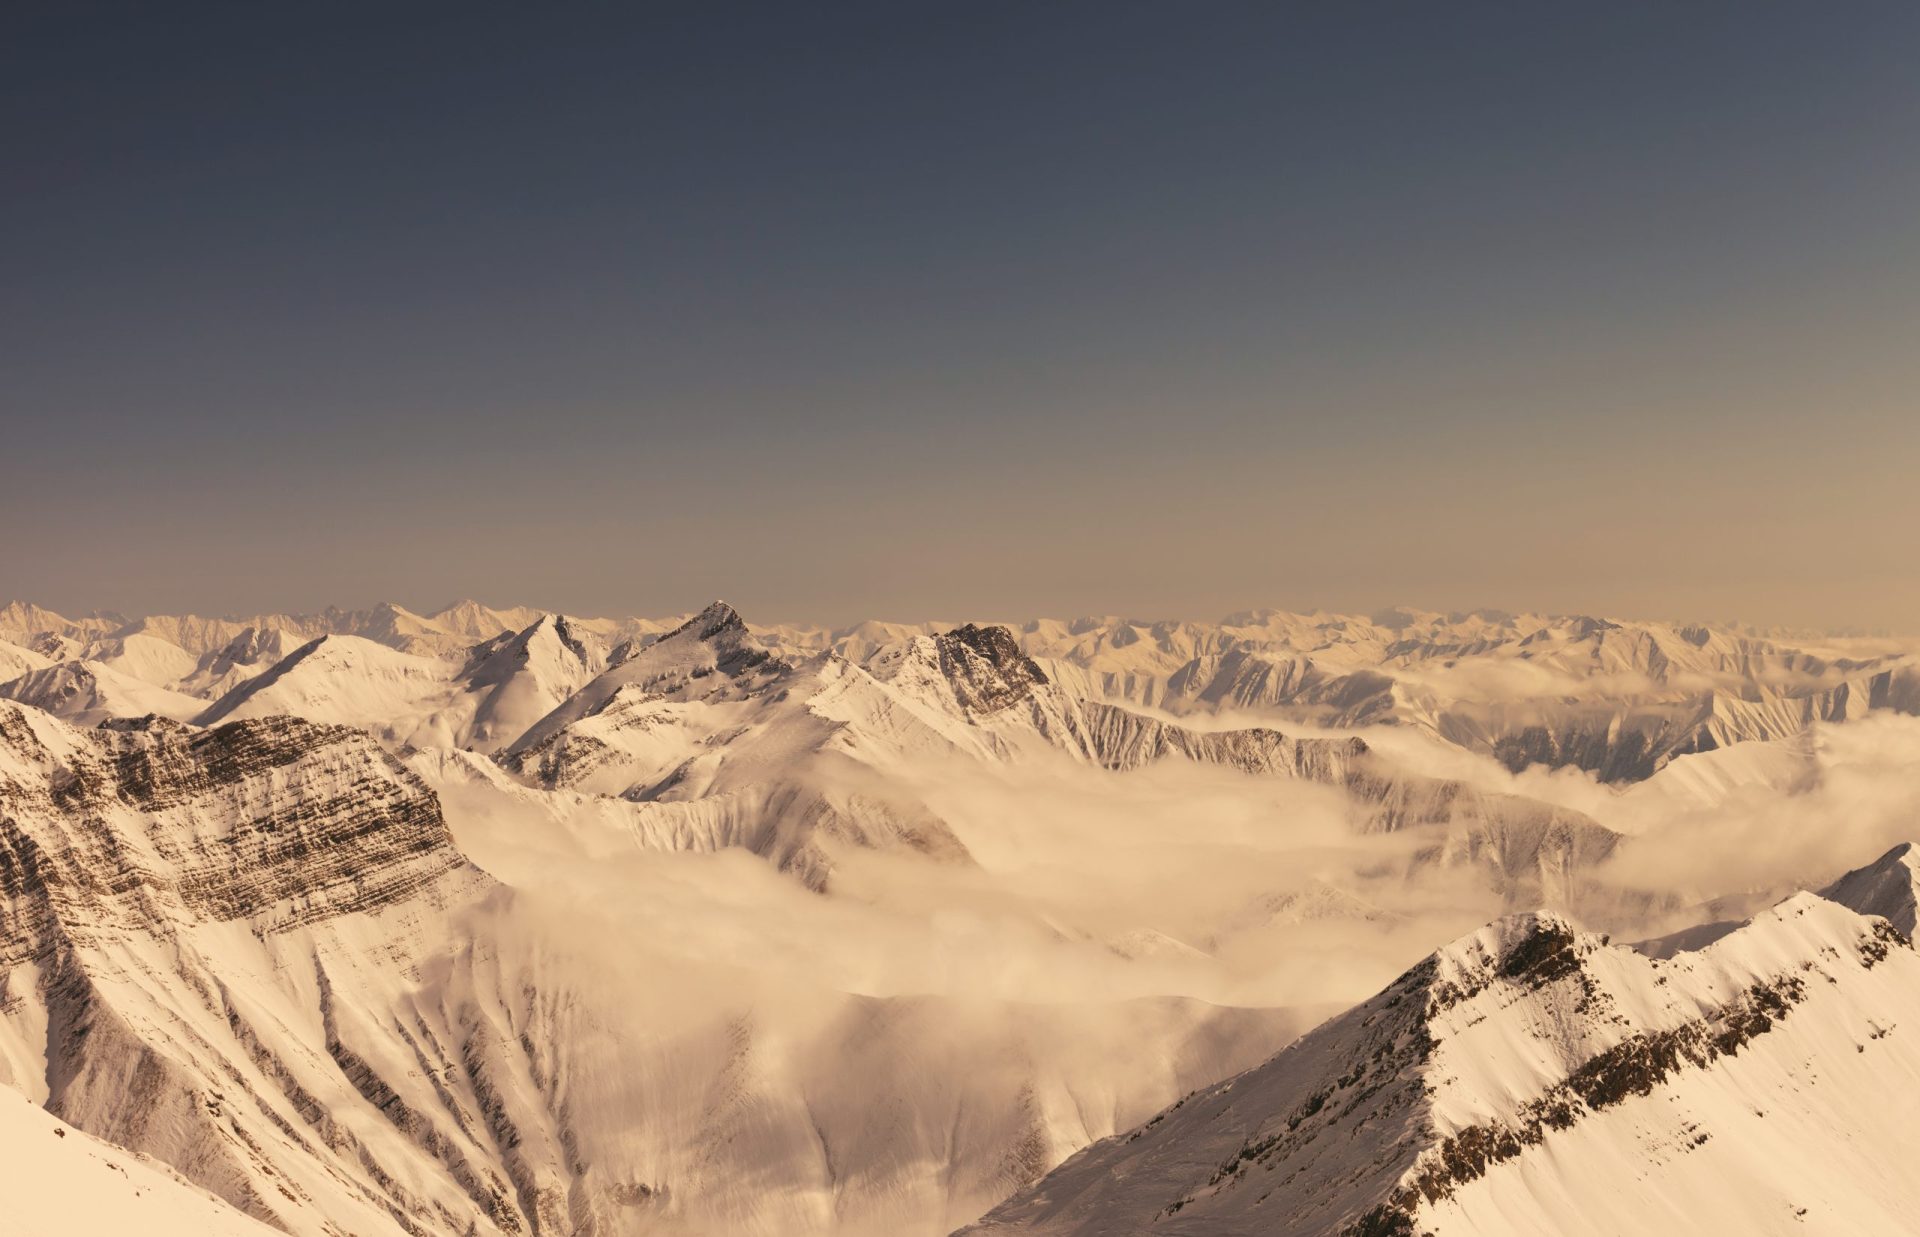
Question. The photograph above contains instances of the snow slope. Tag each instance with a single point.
(63, 1182)
(16, 660)
(343, 680)
(1888, 887)
(143, 657)
(1530, 1078)
(89, 692)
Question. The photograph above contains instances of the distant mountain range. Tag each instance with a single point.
(1620, 699)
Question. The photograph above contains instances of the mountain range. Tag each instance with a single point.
(505, 921)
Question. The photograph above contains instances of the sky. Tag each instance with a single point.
(943, 310)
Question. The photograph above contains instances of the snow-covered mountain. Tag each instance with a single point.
(89, 692)
(1530, 1078)
(1888, 887)
(486, 700)
(1619, 698)
(503, 921)
(257, 953)
(16, 660)
(727, 744)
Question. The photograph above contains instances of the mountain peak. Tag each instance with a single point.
(717, 619)
(987, 668)
(1888, 887)
(996, 644)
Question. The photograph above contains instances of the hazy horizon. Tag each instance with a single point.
(760, 618)
(866, 311)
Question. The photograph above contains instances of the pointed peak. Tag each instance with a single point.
(717, 619)
(1902, 854)
(1888, 887)
(1532, 948)
(987, 668)
(994, 644)
(559, 628)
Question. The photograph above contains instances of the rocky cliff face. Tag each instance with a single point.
(986, 668)
(275, 821)
(180, 909)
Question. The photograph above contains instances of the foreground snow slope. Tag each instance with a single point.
(62, 1182)
(1530, 1078)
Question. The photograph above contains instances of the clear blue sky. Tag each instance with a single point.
(916, 310)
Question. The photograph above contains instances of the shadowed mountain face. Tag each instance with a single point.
(1888, 887)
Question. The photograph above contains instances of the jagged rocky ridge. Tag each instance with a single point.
(1531, 1078)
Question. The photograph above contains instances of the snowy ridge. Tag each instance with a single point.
(1526, 1077)
(733, 745)
(89, 692)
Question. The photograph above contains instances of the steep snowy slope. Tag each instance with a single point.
(252, 652)
(344, 680)
(485, 700)
(62, 1182)
(1707, 780)
(89, 692)
(516, 679)
(1528, 1078)
(147, 658)
(16, 660)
